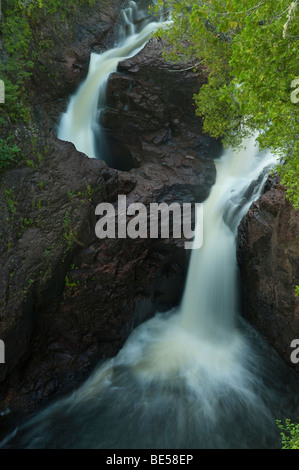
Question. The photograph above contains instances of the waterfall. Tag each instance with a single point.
(198, 376)
(210, 303)
(80, 124)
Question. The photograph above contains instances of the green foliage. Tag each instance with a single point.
(14, 108)
(69, 283)
(69, 234)
(11, 200)
(25, 225)
(250, 51)
(8, 152)
(19, 25)
(86, 196)
(289, 434)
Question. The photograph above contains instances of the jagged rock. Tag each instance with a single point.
(268, 255)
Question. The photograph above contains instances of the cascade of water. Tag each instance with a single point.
(194, 377)
(130, 17)
(210, 303)
(80, 124)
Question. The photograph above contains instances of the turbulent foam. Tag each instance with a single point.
(169, 389)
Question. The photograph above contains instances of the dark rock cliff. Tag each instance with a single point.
(268, 254)
(150, 109)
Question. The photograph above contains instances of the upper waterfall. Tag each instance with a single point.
(80, 124)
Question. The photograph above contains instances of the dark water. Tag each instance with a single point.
(120, 407)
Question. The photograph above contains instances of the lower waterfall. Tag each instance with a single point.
(196, 377)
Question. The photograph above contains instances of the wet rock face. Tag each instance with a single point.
(64, 53)
(268, 255)
(69, 299)
(150, 109)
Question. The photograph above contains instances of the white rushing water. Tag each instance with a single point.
(80, 124)
(197, 376)
(212, 300)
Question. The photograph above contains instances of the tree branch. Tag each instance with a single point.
(291, 11)
(189, 68)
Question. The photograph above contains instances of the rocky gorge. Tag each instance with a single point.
(69, 300)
